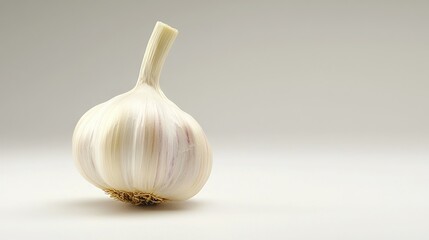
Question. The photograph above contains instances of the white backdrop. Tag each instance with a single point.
(317, 112)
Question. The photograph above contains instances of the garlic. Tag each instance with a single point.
(140, 147)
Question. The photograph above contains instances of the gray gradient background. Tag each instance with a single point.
(317, 112)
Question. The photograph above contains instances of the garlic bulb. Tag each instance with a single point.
(140, 147)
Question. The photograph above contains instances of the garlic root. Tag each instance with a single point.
(136, 198)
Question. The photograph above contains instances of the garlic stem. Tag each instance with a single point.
(157, 49)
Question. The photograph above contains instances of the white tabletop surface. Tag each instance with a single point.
(263, 192)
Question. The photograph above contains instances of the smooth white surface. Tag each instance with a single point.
(299, 193)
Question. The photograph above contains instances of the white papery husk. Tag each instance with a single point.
(139, 146)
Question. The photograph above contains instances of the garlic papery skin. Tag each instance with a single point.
(140, 147)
